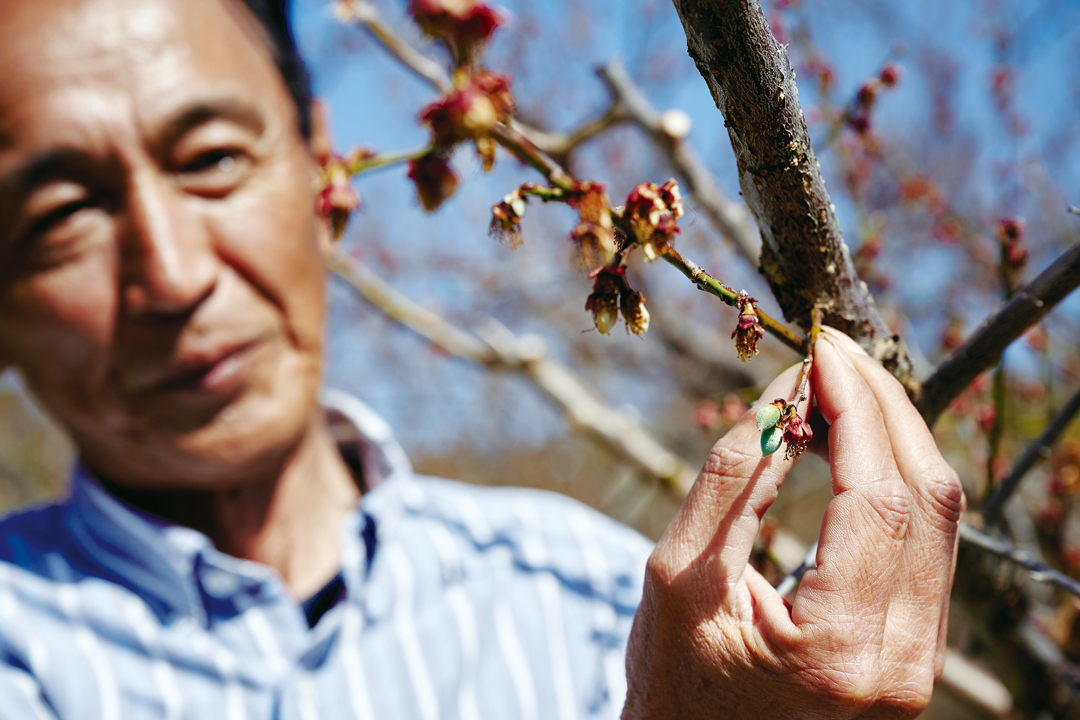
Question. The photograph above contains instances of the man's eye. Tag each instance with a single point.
(215, 173)
(57, 217)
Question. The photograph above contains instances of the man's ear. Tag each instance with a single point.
(319, 145)
(320, 131)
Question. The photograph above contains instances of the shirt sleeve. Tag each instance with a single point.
(21, 696)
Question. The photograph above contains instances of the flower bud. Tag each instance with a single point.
(890, 75)
(464, 26)
(470, 110)
(594, 237)
(336, 198)
(797, 435)
(603, 303)
(594, 245)
(634, 312)
(651, 212)
(434, 179)
(506, 218)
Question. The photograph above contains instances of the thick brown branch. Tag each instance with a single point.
(499, 349)
(803, 255)
(985, 346)
(729, 217)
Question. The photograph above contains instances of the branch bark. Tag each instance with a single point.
(986, 345)
(803, 255)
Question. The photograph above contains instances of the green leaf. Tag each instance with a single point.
(768, 416)
(770, 441)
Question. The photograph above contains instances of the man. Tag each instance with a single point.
(233, 549)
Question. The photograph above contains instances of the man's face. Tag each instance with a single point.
(161, 275)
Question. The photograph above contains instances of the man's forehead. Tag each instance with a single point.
(82, 60)
(92, 39)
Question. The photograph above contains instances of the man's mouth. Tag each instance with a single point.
(221, 370)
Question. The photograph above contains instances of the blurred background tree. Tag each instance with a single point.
(946, 135)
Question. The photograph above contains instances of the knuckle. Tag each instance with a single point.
(659, 573)
(942, 491)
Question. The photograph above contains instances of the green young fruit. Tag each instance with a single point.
(770, 441)
(768, 417)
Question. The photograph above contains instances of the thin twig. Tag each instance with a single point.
(363, 164)
(366, 15)
(1037, 571)
(498, 349)
(986, 345)
(560, 145)
(992, 508)
(802, 386)
(732, 219)
(714, 287)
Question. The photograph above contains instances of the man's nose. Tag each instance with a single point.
(169, 263)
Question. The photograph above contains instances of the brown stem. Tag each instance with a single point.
(1037, 450)
(713, 286)
(984, 348)
(803, 255)
(803, 385)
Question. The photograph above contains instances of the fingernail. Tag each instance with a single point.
(832, 346)
(846, 342)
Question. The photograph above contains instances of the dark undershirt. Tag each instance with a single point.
(318, 604)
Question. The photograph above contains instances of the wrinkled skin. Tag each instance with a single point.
(865, 634)
(162, 268)
(156, 195)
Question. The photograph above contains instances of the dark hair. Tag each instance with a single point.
(273, 16)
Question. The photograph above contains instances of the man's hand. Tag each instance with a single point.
(865, 635)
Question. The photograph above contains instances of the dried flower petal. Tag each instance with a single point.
(603, 303)
(797, 435)
(747, 333)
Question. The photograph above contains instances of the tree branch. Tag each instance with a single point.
(1037, 450)
(997, 332)
(560, 145)
(365, 14)
(730, 218)
(803, 255)
(1037, 571)
(498, 349)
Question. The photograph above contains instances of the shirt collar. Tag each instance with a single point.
(159, 561)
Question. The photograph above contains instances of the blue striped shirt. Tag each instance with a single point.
(460, 602)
